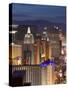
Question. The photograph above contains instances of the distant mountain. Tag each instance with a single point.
(32, 22)
(41, 23)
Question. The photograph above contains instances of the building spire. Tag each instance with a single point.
(28, 31)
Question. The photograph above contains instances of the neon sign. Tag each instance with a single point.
(47, 62)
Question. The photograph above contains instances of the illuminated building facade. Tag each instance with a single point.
(37, 48)
(15, 54)
(34, 51)
(28, 47)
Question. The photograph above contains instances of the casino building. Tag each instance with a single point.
(28, 56)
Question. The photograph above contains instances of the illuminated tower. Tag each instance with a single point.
(28, 39)
(28, 47)
(37, 49)
(47, 72)
(15, 50)
(45, 46)
(61, 40)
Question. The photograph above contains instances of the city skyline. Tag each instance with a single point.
(37, 44)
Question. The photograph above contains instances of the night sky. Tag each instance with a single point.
(37, 17)
(25, 12)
